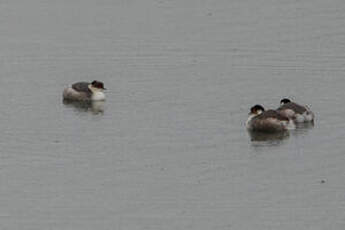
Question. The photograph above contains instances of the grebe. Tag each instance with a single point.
(85, 91)
(296, 112)
(269, 121)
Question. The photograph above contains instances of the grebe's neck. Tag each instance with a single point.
(97, 93)
(250, 118)
(98, 96)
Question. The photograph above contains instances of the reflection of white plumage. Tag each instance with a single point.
(85, 91)
(267, 121)
(296, 112)
(95, 107)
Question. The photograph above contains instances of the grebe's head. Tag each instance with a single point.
(97, 86)
(284, 101)
(256, 110)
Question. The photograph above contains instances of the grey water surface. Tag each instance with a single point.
(168, 149)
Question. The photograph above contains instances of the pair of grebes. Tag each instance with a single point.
(260, 120)
(286, 117)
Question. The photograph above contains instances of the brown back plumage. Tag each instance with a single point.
(82, 87)
(294, 107)
(269, 121)
(272, 114)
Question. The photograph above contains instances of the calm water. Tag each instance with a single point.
(169, 150)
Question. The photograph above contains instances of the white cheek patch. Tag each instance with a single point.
(258, 112)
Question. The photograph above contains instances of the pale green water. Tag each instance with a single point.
(170, 150)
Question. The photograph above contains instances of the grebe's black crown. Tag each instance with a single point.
(98, 84)
(256, 108)
(285, 101)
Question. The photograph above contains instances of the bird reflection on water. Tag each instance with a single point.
(302, 128)
(95, 107)
(278, 137)
(268, 137)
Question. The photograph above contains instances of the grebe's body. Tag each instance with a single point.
(85, 91)
(296, 112)
(269, 121)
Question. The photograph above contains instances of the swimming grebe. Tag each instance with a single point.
(269, 121)
(85, 91)
(296, 112)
